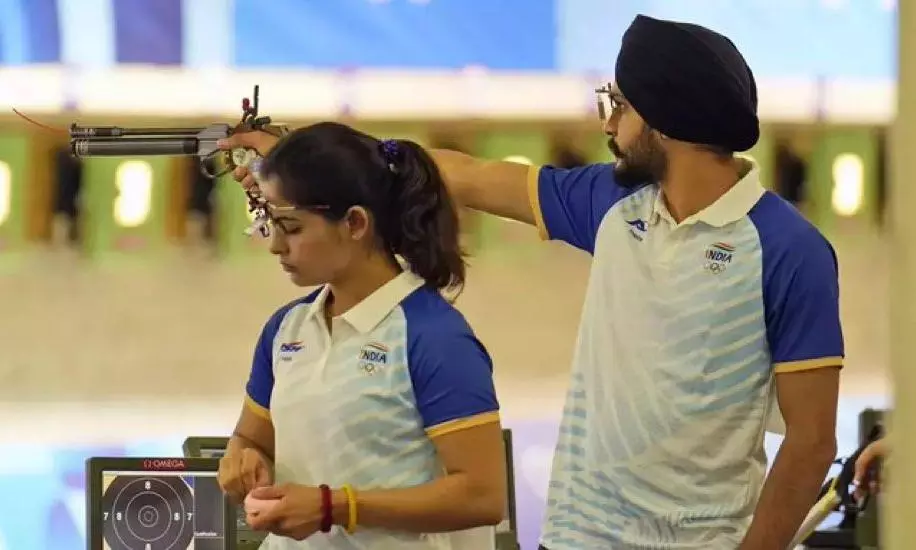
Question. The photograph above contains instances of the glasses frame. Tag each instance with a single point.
(608, 105)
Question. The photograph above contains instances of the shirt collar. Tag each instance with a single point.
(729, 208)
(367, 314)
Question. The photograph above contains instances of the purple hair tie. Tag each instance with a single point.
(391, 151)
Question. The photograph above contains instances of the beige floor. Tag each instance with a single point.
(181, 328)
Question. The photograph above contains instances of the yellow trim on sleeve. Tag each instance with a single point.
(256, 408)
(462, 424)
(534, 199)
(808, 364)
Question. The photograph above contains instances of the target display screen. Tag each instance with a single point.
(157, 504)
(164, 511)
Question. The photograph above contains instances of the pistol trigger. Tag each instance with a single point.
(216, 164)
(206, 167)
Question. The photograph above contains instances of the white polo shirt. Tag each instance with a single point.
(359, 404)
(682, 330)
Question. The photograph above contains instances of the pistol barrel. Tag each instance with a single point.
(134, 147)
(94, 132)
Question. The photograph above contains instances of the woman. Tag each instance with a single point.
(370, 419)
(866, 476)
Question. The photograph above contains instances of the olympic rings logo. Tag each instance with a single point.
(715, 267)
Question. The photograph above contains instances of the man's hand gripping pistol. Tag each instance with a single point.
(114, 141)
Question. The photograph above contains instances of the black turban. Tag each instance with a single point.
(689, 83)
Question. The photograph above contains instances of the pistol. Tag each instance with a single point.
(116, 141)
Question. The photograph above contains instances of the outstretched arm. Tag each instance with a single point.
(495, 187)
(565, 205)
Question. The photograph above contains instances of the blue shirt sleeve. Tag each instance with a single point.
(452, 376)
(261, 378)
(569, 204)
(801, 298)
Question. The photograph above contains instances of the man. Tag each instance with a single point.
(710, 302)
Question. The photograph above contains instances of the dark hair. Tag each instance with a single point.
(330, 167)
(722, 153)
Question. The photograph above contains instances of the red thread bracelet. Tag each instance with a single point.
(327, 518)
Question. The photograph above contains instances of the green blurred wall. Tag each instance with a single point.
(829, 144)
(103, 236)
(14, 162)
(493, 234)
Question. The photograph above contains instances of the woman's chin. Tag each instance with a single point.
(296, 279)
(299, 280)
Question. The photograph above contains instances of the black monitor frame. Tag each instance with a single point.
(510, 479)
(194, 447)
(508, 539)
(97, 466)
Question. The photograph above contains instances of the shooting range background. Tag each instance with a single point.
(142, 333)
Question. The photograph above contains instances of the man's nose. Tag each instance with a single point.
(610, 126)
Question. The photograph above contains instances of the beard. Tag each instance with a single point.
(645, 162)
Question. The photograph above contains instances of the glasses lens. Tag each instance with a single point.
(604, 102)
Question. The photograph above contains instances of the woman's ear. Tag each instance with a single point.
(358, 222)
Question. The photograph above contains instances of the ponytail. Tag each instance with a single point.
(426, 233)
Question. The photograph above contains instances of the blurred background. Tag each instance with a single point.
(131, 300)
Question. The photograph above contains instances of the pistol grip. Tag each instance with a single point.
(242, 157)
(275, 129)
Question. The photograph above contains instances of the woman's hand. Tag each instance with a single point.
(261, 142)
(297, 513)
(242, 471)
(865, 472)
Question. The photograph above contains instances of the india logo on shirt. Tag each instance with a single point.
(288, 349)
(373, 356)
(718, 256)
